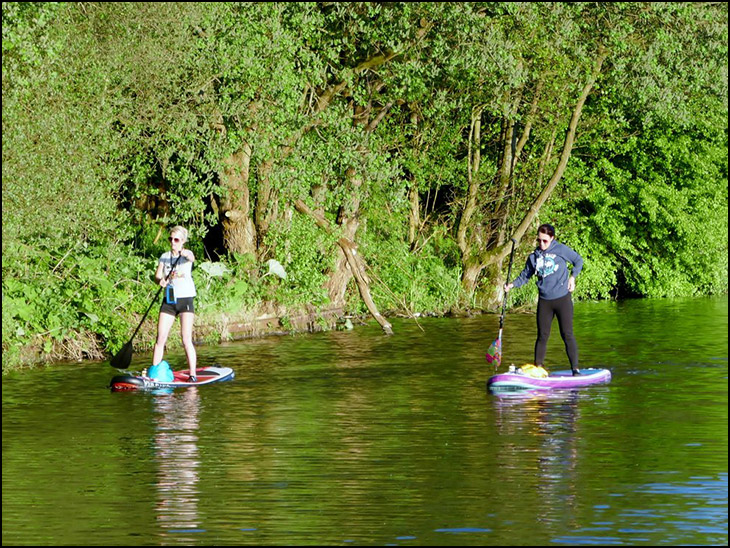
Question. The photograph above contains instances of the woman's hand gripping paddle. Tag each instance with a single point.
(123, 358)
(494, 353)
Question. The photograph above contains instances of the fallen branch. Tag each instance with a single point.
(356, 264)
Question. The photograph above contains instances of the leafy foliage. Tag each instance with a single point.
(122, 119)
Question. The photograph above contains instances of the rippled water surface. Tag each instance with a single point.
(358, 438)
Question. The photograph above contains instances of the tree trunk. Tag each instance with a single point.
(414, 219)
(470, 276)
(497, 255)
(239, 232)
(488, 296)
(474, 161)
(267, 204)
(357, 266)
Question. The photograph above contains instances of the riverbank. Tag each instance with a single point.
(210, 329)
(216, 328)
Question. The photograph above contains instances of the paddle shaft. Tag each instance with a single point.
(157, 295)
(504, 300)
(123, 358)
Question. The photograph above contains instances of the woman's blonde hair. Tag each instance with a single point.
(180, 230)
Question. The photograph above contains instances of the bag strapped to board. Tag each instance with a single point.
(534, 371)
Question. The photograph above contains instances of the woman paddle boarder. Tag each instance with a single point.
(174, 274)
(555, 285)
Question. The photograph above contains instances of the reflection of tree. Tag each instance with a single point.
(311, 447)
(343, 438)
(176, 449)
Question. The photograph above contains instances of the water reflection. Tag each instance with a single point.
(544, 426)
(335, 438)
(178, 459)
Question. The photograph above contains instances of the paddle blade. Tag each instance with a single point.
(494, 353)
(123, 358)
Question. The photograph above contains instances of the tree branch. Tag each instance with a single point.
(500, 253)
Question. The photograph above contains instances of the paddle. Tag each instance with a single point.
(494, 353)
(123, 358)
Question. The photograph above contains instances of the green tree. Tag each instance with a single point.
(397, 143)
(647, 54)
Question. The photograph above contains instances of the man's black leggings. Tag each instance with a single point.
(563, 309)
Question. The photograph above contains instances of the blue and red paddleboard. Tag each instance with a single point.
(205, 375)
(559, 379)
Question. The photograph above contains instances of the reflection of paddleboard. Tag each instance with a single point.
(205, 375)
(558, 379)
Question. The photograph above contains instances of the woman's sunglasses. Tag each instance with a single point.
(176, 240)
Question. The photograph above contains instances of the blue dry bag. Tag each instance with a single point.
(170, 295)
(161, 372)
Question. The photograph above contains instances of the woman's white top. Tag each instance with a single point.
(182, 280)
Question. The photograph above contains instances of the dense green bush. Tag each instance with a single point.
(75, 305)
(407, 282)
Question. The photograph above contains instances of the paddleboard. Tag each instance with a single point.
(205, 375)
(556, 380)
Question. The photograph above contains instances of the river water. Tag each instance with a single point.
(359, 438)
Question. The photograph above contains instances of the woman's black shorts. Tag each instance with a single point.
(183, 304)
